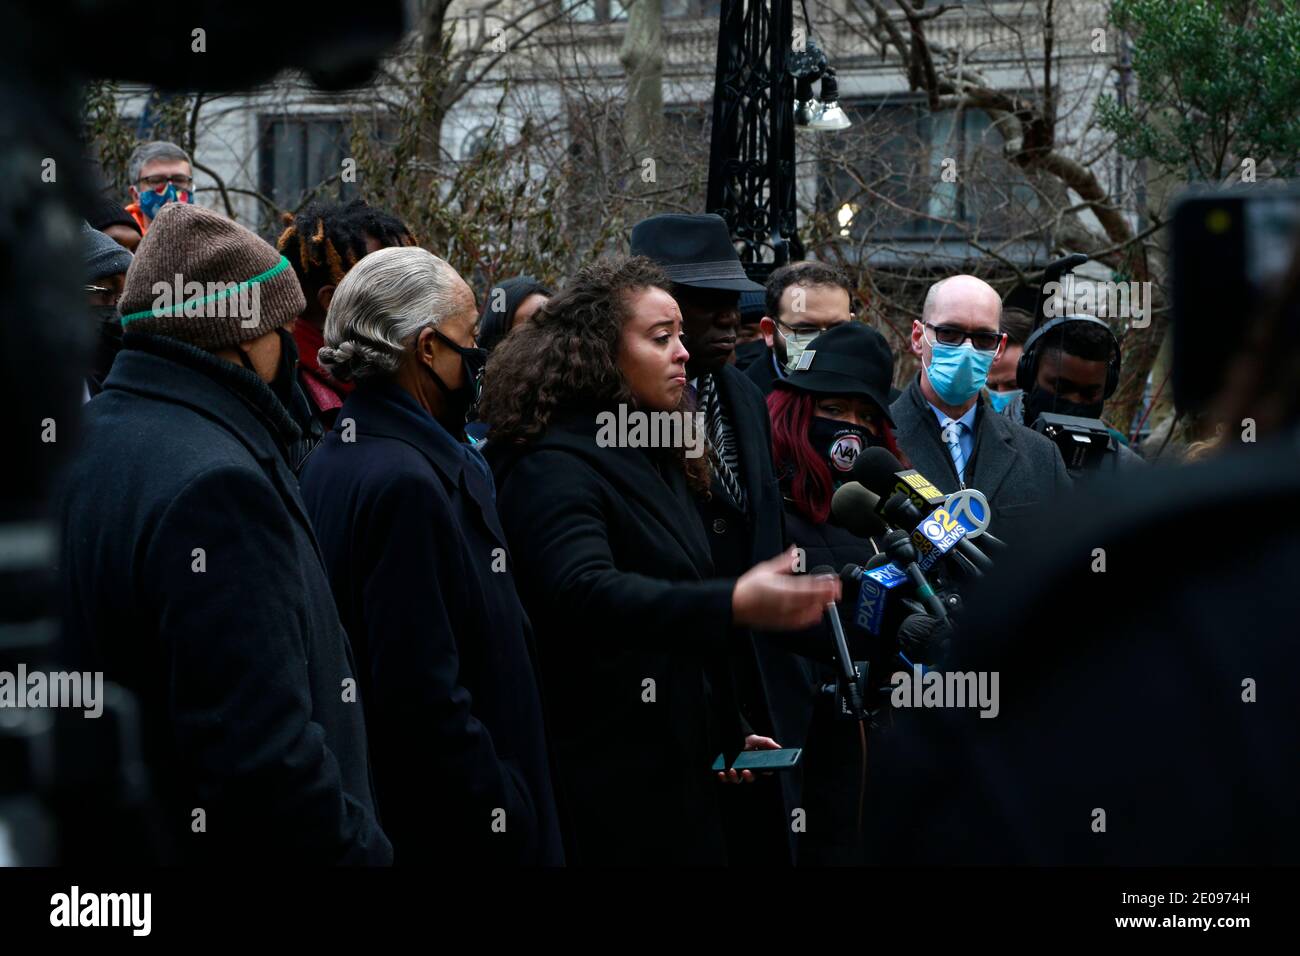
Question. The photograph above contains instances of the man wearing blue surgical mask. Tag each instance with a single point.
(1004, 395)
(953, 438)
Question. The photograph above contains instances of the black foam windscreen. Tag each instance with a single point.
(876, 469)
(853, 507)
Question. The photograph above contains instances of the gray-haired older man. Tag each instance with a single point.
(952, 437)
(405, 513)
(160, 172)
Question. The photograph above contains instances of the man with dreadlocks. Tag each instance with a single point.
(322, 243)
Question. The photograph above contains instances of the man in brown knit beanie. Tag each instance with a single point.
(210, 282)
(191, 576)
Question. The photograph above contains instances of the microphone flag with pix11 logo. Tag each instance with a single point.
(936, 536)
(876, 584)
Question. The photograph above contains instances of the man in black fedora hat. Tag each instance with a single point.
(744, 514)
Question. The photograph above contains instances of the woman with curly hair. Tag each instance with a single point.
(615, 570)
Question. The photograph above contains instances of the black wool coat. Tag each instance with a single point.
(419, 566)
(632, 635)
(773, 683)
(763, 373)
(1131, 691)
(190, 575)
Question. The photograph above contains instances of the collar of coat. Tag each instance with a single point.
(174, 371)
(631, 471)
(918, 434)
(383, 409)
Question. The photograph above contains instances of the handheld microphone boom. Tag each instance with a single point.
(848, 672)
(1052, 274)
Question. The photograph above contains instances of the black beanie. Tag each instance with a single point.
(105, 212)
(493, 324)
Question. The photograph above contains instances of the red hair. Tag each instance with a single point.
(796, 461)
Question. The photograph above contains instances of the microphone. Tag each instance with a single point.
(874, 582)
(881, 472)
(921, 637)
(998, 544)
(878, 470)
(862, 508)
(853, 508)
(877, 560)
(901, 512)
(898, 545)
(848, 672)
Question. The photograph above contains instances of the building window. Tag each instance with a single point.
(692, 9)
(903, 172)
(299, 153)
(609, 11)
(599, 11)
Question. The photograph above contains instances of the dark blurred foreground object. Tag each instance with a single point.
(1164, 691)
(45, 342)
(1231, 252)
(1122, 690)
(50, 185)
(242, 45)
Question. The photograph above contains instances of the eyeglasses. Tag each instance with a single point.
(808, 331)
(813, 330)
(160, 181)
(105, 295)
(955, 335)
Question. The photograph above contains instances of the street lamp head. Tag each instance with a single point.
(830, 117)
(807, 67)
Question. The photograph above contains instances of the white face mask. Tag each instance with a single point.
(795, 343)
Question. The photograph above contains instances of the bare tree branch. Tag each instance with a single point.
(221, 186)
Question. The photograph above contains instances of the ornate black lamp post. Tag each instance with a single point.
(751, 156)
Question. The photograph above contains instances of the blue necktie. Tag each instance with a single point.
(952, 432)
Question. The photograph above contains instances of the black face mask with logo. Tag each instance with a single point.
(1039, 400)
(839, 443)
